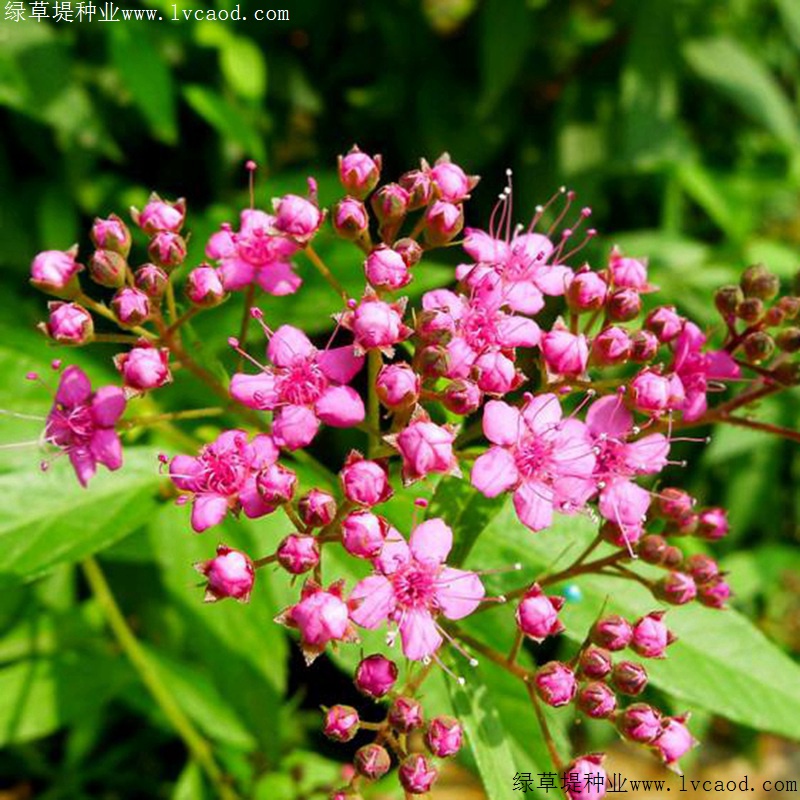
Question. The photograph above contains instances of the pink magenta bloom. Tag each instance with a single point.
(204, 287)
(167, 249)
(547, 461)
(376, 324)
(111, 234)
(359, 173)
(298, 553)
(412, 586)
(444, 736)
(321, 616)
(451, 182)
(81, 423)
(296, 217)
(223, 477)
(376, 675)
(305, 386)
(350, 218)
(443, 222)
(537, 614)
(398, 386)
(585, 778)
(654, 393)
(363, 534)
(365, 482)
(651, 636)
(565, 353)
(587, 291)
(611, 346)
(417, 775)
(69, 323)
(425, 447)
(674, 741)
(131, 306)
(254, 255)
(628, 273)
(151, 280)
(143, 368)
(555, 684)
(230, 574)
(317, 508)
(341, 723)
(160, 215)
(386, 268)
(55, 271)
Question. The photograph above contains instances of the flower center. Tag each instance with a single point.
(414, 585)
(478, 327)
(70, 428)
(224, 473)
(302, 383)
(533, 457)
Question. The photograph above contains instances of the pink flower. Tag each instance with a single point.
(230, 574)
(108, 268)
(297, 218)
(444, 736)
(628, 273)
(222, 477)
(298, 554)
(651, 636)
(204, 287)
(596, 700)
(317, 508)
(537, 614)
(364, 534)
(654, 393)
(611, 346)
(398, 386)
(254, 255)
(665, 323)
(365, 482)
(674, 741)
(713, 523)
(547, 461)
(81, 423)
(386, 268)
(304, 387)
(612, 632)
(111, 234)
(143, 368)
(451, 182)
(412, 586)
(585, 778)
(640, 723)
(321, 616)
(406, 715)
(350, 218)
(565, 353)
(555, 684)
(376, 324)
(160, 215)
(341, 723)
(425, 447)
(417, 775)
(55, 271)
(69, 323)
(359, 173)
(587, 291)
(131, 306)
(151, 280)
(443, 222)
(375, 676)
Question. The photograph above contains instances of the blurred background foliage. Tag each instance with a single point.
(677, 121)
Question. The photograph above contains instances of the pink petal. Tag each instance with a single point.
(459, 592)
(460, 358)
(624, 503)
(542, 412)
(253, 504)
(341, 407)
(106, 448)
(377, 601)
(84, 464)
(236, 273)
(340, 364)
(431, 540)
(108, 404)
(533, 502)
(536, 247)
(494, 472)
(517, 332)
(255, 391)
(278, 279)
(524, 297)
(610, 416)
(483, 247)
(220, 245)
(648, 455)
(721, 366)
(185, 472)
(294, 427)
(419, 635)
(263, 451)
(502, 423)
(443, 300)
(208, 510)
(394, 553)
(553, 279)
(289, 344)
(74, 387)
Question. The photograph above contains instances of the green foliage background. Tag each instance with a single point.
(676, 120)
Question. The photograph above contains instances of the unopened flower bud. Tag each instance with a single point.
(758, 346)
(385, 268)
(787, 373)
(675, 740)
(701, 567)
(434, 361)
(758, 281)
(298, 553)
(204, 287)
(69, 324)
(790, 306)
(317, 508)
(406, 715)
(565, 353)
(419, 186)
(359, 173)
(443, 222)
(390, 204)
(444, 736)
(410, 251)
(595, 662)
(677, 589)
(160, 215)
(596, 700)
(750, 309)
(230, 574)
(451, 182)
(612, 632)
(610, 347)
(674, 503)
(713, 524)
(55, 272)
(537, 614)
(673, 557)
(665, 323)
(640, 723)
(788, 340)
(378, 324)
(376, 675)
(276, 484)
(350, 219)
(555, 684)
(111, 234)
(417, 775)
(131, 306)
(585, 779)
(623, 305)
(587, 291)
(398, 386)
(644, 346)
(167, 249)
(426, 447)
(629, 678)
(775, 316)
(151, 280)
(365, 482)
(372, 761)
(143, 368)
(462, 397)
(363, 534)
(296, 217)
(341, 723)
(651, 549)
(727, 300)
(651, 637)
(108, 268)
(715, 593)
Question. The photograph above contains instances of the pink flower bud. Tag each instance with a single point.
(426, 447)
(610, 347)
(665, 323)
(565, 353)
(160, 215)
(713, 524)
(585, 778)
(555, 684)
(143, 368)
(321, 616)
(587, 291)
(651, 549)
(410, 251)
(230, 574)
(363, 534)
(644, 346)
(341, 723)
(451, 181)
(618, 536)
(372, 761)
(596, 700)
(675, 740)
(276, 484)
(416, 774)
(298, 554)
(443, 222)
(444, 736)
(386, 269)
(364, 482)
(654, 393)
(629, 678)
(677, 589)
(612, 632)
(714, 593)
(674, 503)
(108, 268)
(405, 715)
(151, 280)
(651, 636)
(111, 234)
(204, 287)
(317, 508)
(359, 173)
(496, 373)
(375, 676)
(462, 397)
(398, 386)
(628, 273)
(350, 219)
(537, 614)
(623, 305)
(419, 186)
(55, 271)
(69, 323)
(390, 204)
(296, 217)
(167, 249)
(377, 324)
(131, 306)
(640, 723)
(595, 662)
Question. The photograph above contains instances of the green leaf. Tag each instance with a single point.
(147, 77)
(244, 67)
(789, 12)
(51, 520)
(190, 784)
(746, 82)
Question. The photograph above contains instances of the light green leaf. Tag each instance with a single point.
(190, 784)
(244, 67)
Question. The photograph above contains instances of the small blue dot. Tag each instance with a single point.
(573, 593)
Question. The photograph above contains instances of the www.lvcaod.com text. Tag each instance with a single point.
(17, 11)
